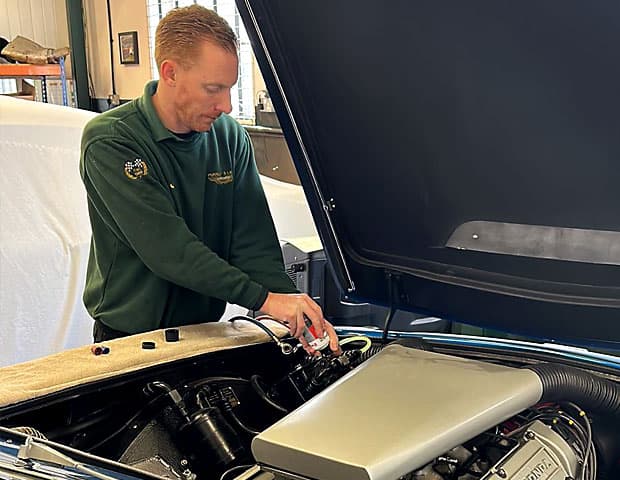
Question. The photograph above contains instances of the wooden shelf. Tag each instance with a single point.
(28, 70)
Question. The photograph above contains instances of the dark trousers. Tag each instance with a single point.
(102, 333)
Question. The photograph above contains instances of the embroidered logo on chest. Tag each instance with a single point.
(136, 169)
(221, 178)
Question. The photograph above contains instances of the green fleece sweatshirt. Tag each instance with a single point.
(180, 226)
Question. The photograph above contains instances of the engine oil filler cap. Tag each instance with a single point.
(148, 345)
(171, 334)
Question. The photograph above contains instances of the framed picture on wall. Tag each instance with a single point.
(128, 44)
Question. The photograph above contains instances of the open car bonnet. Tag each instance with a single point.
(459, 158)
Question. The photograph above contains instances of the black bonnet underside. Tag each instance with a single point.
(470, 148)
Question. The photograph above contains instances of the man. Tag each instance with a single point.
(179, 218)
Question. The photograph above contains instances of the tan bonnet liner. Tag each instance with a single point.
(28, 380)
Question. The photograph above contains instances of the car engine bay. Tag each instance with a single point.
(415, 411)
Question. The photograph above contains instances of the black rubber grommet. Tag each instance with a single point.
(171, 334)
(148, 345)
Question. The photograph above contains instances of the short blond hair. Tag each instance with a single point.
(182, 30)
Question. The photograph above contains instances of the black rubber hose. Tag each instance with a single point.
(264, 328)
(152, 387)
(591, 392)
(372, 351)
(255, 381)
(240, 424)
(174, 395)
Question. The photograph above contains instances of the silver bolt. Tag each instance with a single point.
(502, 473)
(184, 462)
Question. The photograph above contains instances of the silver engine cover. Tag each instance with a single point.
(393, 414)
(541, 455)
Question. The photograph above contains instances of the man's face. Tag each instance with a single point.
(202, 91)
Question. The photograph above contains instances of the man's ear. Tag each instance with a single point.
(168, 72)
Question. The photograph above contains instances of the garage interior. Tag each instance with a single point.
(456, 224)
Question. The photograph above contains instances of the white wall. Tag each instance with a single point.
(127, 15)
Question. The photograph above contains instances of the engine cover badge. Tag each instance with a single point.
(541, 455)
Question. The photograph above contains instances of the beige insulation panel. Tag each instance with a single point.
(54, 373)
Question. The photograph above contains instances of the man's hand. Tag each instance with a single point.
(290, 308)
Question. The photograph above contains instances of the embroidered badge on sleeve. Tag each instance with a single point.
(136, 169)
(221, 178)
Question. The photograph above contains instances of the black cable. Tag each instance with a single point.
(203, 402)
(575, 432)
(549, 416)
(238, 421)
(590, 461)
(392, 311)
(388, 320)
(262, 394)
(273, 336)
(151, 387)
(174, 395)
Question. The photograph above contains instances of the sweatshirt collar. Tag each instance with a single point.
(160, 132)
